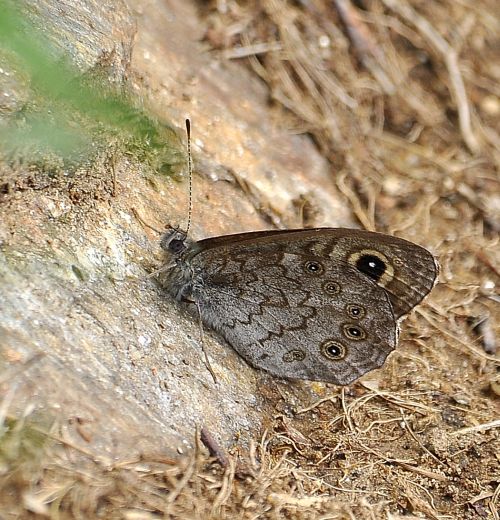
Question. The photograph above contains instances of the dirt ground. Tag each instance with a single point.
(402, 98)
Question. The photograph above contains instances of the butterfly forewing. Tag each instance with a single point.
(405, 270)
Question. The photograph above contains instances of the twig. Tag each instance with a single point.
(421, 471)
(144, 223)
(330, 399)
(251, 50)
(213, 447)
(281, 499)
(478, 428)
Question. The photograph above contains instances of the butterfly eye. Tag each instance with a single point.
(313, 267)
(176, 246)
(333, 350)
(354, 332)
(371, 265)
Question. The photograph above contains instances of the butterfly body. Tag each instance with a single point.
(320, 304)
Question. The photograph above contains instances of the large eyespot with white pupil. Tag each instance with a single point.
(331, 287)
(294, 355)
(333, 350)
(313, 267)
(353, 332)
(355, 311)
(373, 264)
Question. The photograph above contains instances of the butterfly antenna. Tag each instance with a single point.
(190, 174)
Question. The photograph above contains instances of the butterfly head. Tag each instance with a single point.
(177, 274)
(175, 241)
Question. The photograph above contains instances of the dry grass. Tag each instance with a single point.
(403, 98)
(361, 454)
